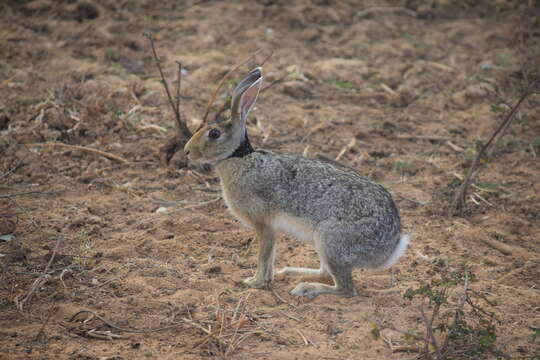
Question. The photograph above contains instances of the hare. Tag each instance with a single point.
(350, 220)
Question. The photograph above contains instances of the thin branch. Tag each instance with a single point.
(178, 86)
(85, 149)
(42, 279)
(227, 103)
(10, 171)
(387, 9)
(458, 314)
(275, 82)
(267, 58)
(53, 309)
(220, 84)
(181, 125)
(423, 137)
(430, 339)
(9, 196)
(110, 324)
(165, 85)
(458, 203)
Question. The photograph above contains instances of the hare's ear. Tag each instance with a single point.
(244, 96)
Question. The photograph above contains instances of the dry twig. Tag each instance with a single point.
(10, 196)
(385, 10)
(346, 148)
(41, 280)
(53, 309)
(220, 84)
(504, 248)
(183, 134)
(458, 203)
(132, 330)
(458, 314)
(85, 149)
(424, 137)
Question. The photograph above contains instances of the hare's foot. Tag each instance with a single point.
(312, 290)
(256, 282)
(301, 271)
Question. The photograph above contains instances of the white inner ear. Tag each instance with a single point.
(249, 97)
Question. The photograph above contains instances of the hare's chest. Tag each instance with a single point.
(238, 206)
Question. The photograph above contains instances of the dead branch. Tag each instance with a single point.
(430, 339)
(200, 327)
(85, 149)
(346, 149)
(458, 314)
(10, 196)
(388, 10)
(107, 335)
(220, 84)
(458, 203)
(200, 204)
(150, 38)
(10, 171)
(227, 103)
(423, 137)
(41, 280)
(178, 87)
(182, 134)
(110, 324)
(517, 271)
(453, 146)
(53, 309)
(505, 249)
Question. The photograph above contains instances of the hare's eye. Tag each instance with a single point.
(214, 134)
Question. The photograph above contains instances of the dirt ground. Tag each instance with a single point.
(407, 98)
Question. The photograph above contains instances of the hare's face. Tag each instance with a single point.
(213, 143)
(217, 141)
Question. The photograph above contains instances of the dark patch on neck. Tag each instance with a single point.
(243, 149)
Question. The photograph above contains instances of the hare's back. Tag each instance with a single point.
(318, 190)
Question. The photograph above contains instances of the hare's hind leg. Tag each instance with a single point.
(265, 264)
(343, 284)
(330, 262)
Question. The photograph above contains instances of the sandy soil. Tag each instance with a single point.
(146, 246)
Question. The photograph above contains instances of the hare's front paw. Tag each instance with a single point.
(255, 282)
(309, 290)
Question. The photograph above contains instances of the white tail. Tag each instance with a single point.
(400, 249)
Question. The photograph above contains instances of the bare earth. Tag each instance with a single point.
(373, 85)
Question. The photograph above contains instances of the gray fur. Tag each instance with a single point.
(350, 220)
(332, 200)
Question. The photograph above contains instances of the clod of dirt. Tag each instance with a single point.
(132, 65)
(4, 121)
(86, 11)
(7, 226)
(213, 269)
(337, 68)
(17, 253)
(311, 34)
(463, 98)
(179, 160)
(85, 220)
(297, 90)
(89, 174)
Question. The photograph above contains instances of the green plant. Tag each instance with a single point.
(470, 333)
(343, 84)
(486, 185)
(401, 164)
